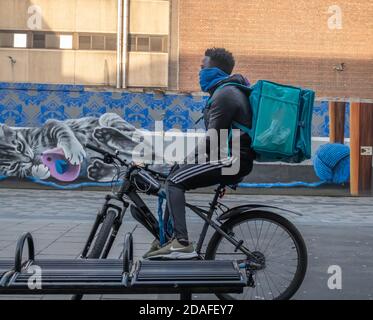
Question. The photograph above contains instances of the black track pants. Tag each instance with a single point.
(193, 176)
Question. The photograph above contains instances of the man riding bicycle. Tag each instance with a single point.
(226, 105)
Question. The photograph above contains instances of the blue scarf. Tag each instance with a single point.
(209, 77)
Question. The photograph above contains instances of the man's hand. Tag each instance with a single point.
(139, 164)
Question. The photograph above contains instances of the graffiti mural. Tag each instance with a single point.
(43, 127)
(57, 148)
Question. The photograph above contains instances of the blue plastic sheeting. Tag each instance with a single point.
(109, 184)
(282, 185)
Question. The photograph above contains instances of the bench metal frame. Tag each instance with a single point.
(109, 276)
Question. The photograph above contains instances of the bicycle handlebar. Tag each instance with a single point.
(94, 148)
(123, 162)
(106, 154)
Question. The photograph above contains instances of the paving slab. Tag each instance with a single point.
(337, 231)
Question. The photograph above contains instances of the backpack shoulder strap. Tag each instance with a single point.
(235, 84)
(243, 128)
(235, 123)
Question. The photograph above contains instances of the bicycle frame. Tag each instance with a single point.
(143, 214)
(148, 220)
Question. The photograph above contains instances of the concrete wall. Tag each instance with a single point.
(59, 66)
(284, 41)
(66, 15)
(149, 17)
(147, 69)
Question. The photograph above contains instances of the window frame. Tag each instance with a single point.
(109, 40)
(91, 35)
(136, 36)
(11, 32)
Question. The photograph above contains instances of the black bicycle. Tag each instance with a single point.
(266, 246)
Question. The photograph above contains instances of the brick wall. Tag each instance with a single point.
(287, 41)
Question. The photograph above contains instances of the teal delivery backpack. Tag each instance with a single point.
(281, 124)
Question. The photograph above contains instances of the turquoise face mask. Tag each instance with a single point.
(209, 77)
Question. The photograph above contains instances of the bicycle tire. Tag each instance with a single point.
(103, 235)
(288, 226)
(100, 242)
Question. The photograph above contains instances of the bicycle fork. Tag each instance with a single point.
(99, 218)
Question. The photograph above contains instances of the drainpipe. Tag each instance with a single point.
(119, 43)
(125, 32)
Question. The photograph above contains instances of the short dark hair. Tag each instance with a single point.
(221, 58)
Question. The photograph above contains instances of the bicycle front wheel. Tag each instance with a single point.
(280, 253)
(102, 236)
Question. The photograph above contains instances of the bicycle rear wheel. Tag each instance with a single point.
(278, 247)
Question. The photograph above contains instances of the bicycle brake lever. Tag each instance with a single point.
(108, 159)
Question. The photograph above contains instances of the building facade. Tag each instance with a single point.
(322, 45)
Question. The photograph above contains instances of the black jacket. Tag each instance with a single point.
(227, 105)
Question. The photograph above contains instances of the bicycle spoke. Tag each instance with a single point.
(257, 241)
(281, 254)
(261, 285)
(276, 274)
(271, 239)
(278, 239)
(256, 232)
(273, 283)
(276, 245)
(269, 286)
(242, 236)
(269, 226)
(250, 233)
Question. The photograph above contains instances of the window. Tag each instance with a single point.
(111, 42)
(6, 40)
(66, 41)
(132, 45)
(156, 44)
(52, 41)
(97, 42)
(84, 42)
(143, 44)
(49, 40)
(148, 43)
(38, 40)
(20, 40)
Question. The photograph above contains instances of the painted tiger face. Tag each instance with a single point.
(16, 156)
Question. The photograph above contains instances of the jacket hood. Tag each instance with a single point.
(236, 78)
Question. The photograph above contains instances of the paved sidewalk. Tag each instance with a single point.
(338, 231)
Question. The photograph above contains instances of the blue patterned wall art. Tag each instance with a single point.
(139, 116)
(12, 112)
(24, 104)
(320, 120)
